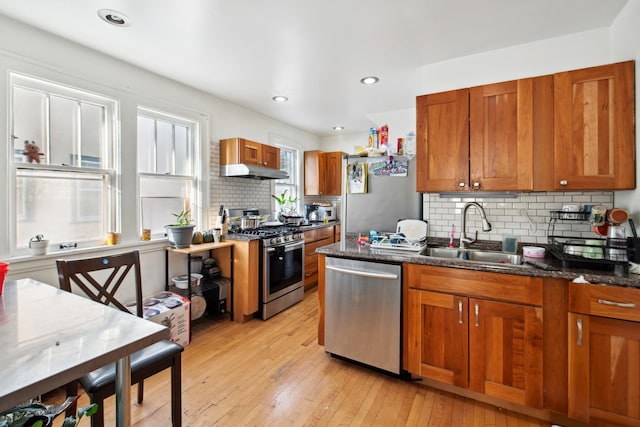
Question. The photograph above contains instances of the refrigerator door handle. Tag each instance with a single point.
(388, 276)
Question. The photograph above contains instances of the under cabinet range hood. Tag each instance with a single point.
(242, 170)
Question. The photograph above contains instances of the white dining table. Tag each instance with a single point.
(49, 337)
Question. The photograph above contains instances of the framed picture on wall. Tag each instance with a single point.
(357, 178)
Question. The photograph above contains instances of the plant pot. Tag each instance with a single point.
(180, 235)
(38, 247)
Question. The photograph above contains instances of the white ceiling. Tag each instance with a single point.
(246, 51)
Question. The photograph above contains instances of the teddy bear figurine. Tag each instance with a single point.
(32, 151)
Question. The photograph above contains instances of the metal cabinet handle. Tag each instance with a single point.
(564, 182)
(460, 312)
(476, 185)
(617, 304)
(477, 315)
(461, 184)
(579, 324)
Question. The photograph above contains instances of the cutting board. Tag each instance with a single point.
(413, 229)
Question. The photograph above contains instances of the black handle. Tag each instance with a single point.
(633, 228)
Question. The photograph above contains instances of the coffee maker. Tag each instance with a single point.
(312, 213)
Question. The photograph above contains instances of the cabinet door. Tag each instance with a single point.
(505, 351)
(270, 157)
(313, 173)
(594, 128)
(604, 370)
(438, 336)
(442, 141)
(250, 152)
(501, 136)
(333, 174)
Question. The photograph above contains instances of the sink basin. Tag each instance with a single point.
(448, 253)
(494, 257)
(475, 255)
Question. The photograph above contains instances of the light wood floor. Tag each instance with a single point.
(273, 373)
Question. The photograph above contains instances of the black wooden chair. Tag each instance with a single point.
(100, 279)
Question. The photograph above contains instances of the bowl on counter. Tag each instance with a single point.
(533, 251)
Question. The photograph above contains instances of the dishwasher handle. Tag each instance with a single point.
(362, 273)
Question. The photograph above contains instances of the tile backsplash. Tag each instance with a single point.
(234, 192)
(525, 216)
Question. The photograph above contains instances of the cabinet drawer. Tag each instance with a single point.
(318, 234)
(606, 301)
(479, 284)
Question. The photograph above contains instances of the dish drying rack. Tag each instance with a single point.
(398, 242)
(603, 253)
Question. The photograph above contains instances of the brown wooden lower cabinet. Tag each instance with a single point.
(604, 355)
(313, 239)
(491, 347)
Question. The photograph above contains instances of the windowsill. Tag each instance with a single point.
(22, 261)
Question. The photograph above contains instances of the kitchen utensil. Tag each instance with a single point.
(414, 230)
(249, 222)
(602, 229)
(592, 249)
(617, 216)
(533, 252)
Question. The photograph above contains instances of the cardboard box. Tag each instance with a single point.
(171, 310)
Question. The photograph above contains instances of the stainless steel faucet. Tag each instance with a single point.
(485, 224)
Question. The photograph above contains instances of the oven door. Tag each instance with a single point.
(283, 269)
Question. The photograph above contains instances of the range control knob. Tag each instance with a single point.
(274, 240)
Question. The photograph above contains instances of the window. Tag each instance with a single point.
(289, 163)
(68, 190)
(167, 168)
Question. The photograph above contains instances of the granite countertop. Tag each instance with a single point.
(349, 249)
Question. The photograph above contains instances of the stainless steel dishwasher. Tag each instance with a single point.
(363, 312)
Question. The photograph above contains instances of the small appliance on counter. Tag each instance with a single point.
(319, 212)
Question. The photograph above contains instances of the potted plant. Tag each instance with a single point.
(35, 413)
(287, 205)
(180, 233)
(38, 244)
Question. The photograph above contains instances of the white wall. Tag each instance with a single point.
(27, 50)
(625, 44)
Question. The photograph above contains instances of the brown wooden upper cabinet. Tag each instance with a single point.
(322, 173)
(594, 131)
(240, 150)
(568, 131)
(480, 138)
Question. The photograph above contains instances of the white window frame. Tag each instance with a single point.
(194, 176)
(110, 152)
(293, 183)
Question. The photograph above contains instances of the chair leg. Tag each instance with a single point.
(140, 391)
(72, 390)
(97, 419)
(176, 392)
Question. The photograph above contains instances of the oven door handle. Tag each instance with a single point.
(288, 248)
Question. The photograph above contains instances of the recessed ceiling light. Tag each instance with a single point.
(114, 17)
(338, 128)
(280, 98)
(369, 80)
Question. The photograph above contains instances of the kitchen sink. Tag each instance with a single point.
(493, 258)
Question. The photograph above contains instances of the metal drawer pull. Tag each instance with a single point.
(617, 304)
(460, 312)
(372, 274)
(579, 323)
(477, 314)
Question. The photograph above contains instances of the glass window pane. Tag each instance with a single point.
(64, 131)
(92, 135)
(164, 147)
(182, 150)
(146, 144)
(161, 197)
(65, 207)
(29, 118)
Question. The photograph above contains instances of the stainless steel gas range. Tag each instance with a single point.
(281, 267)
